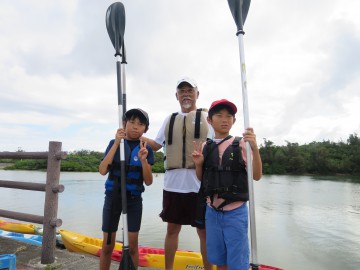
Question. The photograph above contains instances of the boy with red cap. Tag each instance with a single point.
(221, 166)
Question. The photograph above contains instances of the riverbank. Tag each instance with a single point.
(28, 257)
(3, 165)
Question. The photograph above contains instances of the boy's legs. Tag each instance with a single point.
(215, 244)
(110, 221)
(134, 224)
(236, 238)
(106, 251)
(134, 247)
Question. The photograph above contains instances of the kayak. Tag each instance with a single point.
(148, 256)
(18, 227)
(26, 228)
(27, 238)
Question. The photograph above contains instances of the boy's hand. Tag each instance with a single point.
(197, 155)
(249, 136)
(143, 152)
(120, 134)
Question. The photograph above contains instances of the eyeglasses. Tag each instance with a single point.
(184, 91)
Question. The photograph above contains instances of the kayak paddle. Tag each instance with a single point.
(115, 24)
(239, 10)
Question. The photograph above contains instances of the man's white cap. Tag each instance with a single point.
(186, 80)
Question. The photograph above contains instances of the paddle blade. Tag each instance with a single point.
(239, 10)
(115, 25)
(126, 262)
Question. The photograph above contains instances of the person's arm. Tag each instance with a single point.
(152, 143)
(146, 168)
(157, 143)
(249, 136)
(198, 159)
(108, 159)
(257, 164)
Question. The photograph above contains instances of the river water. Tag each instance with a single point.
(301, 222)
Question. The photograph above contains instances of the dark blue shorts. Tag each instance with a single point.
(134, 213)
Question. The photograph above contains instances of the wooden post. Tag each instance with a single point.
(51, 204)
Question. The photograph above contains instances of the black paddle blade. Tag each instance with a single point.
(239, 10)
(115, 24)
(126, 262)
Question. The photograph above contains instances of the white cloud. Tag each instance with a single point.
(58, 76)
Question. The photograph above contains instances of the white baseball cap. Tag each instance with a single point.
(186, 80)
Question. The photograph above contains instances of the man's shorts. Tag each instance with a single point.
(134, 213)
(180, 208)
(227, 240)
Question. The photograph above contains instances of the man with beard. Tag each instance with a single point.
(181, 185)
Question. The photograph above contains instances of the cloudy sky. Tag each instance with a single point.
(58, 70)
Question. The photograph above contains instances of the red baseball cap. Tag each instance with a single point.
(224, 102)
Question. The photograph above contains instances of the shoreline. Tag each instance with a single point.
(3, 165)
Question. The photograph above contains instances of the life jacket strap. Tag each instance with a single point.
(171, 127)
(128, 180)
(197, 123)
(236, 150)
(128, 168)
(132, 168)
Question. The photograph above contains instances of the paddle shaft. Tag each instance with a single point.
(254, 259)
(122, 153)
(123, 76)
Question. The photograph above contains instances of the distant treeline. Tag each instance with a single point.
(77, 161)
(319, 158)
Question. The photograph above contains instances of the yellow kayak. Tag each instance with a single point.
(18, 227)
(148, 256)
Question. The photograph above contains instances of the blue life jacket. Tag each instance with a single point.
(134, 177)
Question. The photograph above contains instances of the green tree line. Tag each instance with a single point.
(76, 161)
(319, 158)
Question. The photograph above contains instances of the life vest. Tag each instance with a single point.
(228, 179)
(134, 177)
(180, 132)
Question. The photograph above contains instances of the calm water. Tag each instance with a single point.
(301, 222)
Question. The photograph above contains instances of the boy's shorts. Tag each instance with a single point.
(134, 213)
(227, 240)
(180, 208)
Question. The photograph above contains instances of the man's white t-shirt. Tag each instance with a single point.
(179, 180)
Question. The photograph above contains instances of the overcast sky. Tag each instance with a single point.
(58, 70)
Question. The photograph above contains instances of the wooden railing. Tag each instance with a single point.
(51, 188)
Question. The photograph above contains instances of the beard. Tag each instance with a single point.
(186, 105)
